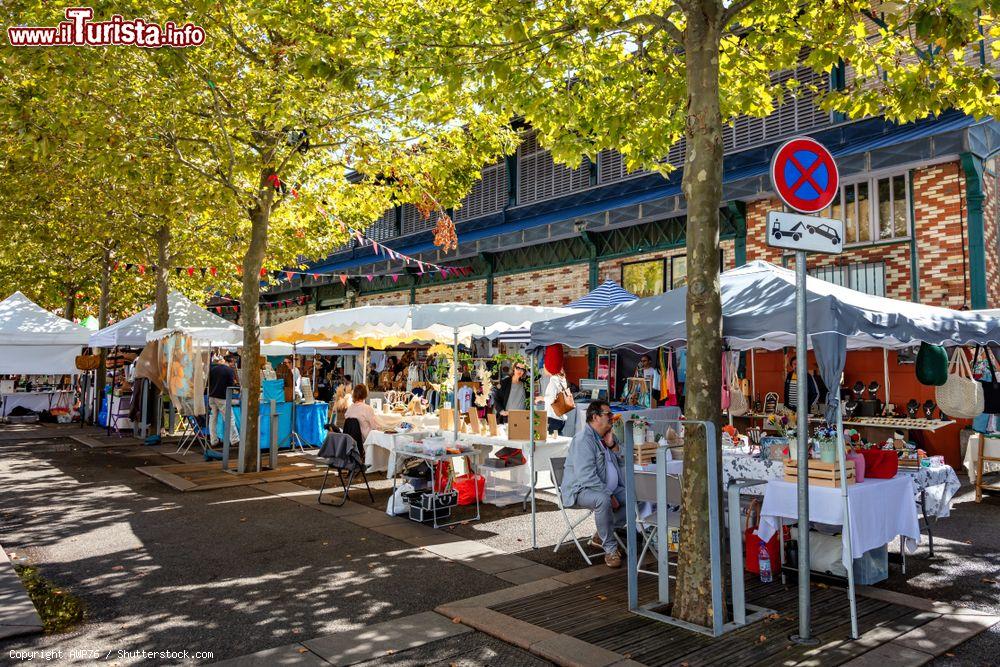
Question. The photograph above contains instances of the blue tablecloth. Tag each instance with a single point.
(310, 424)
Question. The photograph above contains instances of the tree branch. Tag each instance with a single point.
(734, 10)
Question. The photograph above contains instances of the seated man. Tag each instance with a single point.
(593, 479)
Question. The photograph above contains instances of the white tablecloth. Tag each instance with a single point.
(380, 457)
(991, 448)
(939, 483)
(33, 400)
(881, 509)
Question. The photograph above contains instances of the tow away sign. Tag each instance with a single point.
(794, 231)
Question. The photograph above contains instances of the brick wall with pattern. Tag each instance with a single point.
(546, 287)
(470, 291)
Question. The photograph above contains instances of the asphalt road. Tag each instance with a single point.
(235, 571)
(231, 571)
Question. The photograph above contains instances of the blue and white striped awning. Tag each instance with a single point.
(608, 293)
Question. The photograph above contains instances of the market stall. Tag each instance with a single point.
(758, 305)
(34, 342)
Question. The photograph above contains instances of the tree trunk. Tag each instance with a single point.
(161, 314)
(70, 311)
(253, 261)
(702, 186)
(103, 306)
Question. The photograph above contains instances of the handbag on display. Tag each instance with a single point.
(725, 384)
(961, 396)
(752, 543)
(738, 405)
(88, 362)
(932, 365)
(671, 397)
(991, 385)
(880, 463)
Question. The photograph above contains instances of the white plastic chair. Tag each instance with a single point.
(557, 466)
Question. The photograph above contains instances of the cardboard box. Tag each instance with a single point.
(519, 429)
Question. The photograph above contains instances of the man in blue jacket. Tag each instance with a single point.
(594, 478)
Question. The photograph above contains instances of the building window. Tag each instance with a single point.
(875, 209)
(678, 271)
(643, 278)
(867, 277)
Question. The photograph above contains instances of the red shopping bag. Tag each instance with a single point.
(753, 542)
(442, 475)
(470, 487)
(880, 463)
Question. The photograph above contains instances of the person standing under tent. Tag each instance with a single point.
(511, 393)
(221, 376)
(594, 479)
(555, 386)
(791, 387)
(647, 371)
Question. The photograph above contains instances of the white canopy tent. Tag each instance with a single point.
(758, 308)
(34, 341)
(183, 313)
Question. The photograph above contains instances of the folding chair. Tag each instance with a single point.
(194, 433)
(342, 453)
(558, 465)
(121, 412)
(645, 491)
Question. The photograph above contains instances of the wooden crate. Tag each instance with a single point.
(645, 452)
(820, 472)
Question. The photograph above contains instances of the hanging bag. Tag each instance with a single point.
(991, 385)
(738, 405)
(932, 365)
(670, 399)
(960, 396)
(725, 384)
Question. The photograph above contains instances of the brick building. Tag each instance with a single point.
(919, 202)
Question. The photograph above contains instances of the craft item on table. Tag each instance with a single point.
(855, 455)
(850, 407)
(307, 391)
(416, 406)
(758, 406)
(268, 372)
(445, 418)
(673, 437)
(645, 452)
(889, 410)
(491, 422)
(912, 407)
(873, 388)
(821, 473)
(473, 418)
(770, 403)
(858, 390)
(519, 428)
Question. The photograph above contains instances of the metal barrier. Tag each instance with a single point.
(719, 624)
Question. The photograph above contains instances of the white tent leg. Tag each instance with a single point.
(531, 452)
(454, 386)
(841, 456)
(885, 369)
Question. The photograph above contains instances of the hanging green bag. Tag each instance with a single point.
(932, 365)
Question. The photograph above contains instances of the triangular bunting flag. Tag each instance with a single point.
(343, 279)
(395, 277)
(177, 271)
(369, 276)
(142, 270)
(128, 267)
(289, 275)
(213, 271)
(190, 271)
(203, 269)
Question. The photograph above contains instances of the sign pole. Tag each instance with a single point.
(802, 446)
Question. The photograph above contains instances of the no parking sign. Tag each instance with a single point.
(805, 176)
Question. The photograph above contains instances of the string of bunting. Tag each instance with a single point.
(234, 305)
(423, 268)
